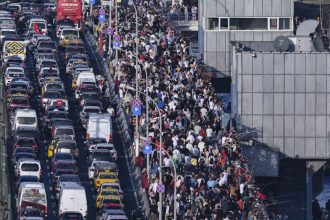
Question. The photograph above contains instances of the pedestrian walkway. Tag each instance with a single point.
(213, 178)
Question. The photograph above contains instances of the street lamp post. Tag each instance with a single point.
(136, 69)
(110, 26)
(160, 206)
(175, 176)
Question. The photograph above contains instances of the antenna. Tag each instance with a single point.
(281, 44)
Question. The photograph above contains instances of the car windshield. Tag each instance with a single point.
(52, 95)
(109, 193)
(57, 115)
(65, 166)
(20, 101)
(8, 32)
(28, 179)
(18, 74)
(54, 86)
(97, 141)
(70, 32)
(24, 155)
(107, 176)
(41, 25)
(64, 131)
(30, 167)
(50, 45)
(62, 122)
(91, 110)
(69, 178)
(25, 142)
(32, 213)
(26, 120)
(24, 150)
(62, 156)
(113, 201)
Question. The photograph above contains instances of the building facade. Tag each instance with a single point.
(223, 21)
(286, 96)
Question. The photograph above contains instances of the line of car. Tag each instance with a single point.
(62, 151)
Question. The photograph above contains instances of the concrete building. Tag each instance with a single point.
(283, 98)
(223, 21)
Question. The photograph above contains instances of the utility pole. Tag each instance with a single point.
(116, 13)
(110, 26)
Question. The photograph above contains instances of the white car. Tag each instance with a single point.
(109, 147)
(7, 31)
(13, 72)
(28, 167)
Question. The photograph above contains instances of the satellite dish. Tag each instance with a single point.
(318, 44)
(307, 27)
(281, 44)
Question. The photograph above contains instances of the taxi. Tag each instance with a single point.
(52, 86)
(106, 192)
(68, 39)
(110, 202)
(57, 142)
(105, 177)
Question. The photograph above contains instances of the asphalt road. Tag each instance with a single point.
(124, 175)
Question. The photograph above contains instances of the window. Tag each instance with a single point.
(224, 23)
(248, 24)
(273, 24)
(284, 23)
(213, 24)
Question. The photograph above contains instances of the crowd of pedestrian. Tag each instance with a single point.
(213, 180)
(183, 12)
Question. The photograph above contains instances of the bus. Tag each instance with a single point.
(70, 9)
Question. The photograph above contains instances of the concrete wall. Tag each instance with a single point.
(287, 96)
(214, 44)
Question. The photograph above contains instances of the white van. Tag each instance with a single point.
(72, 198)
(31, 194)
(25, 118)
(28, 167)
(85, 77)
(99, 125)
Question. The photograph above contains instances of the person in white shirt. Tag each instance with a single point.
(209, 132)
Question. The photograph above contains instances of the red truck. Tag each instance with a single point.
(70, 9)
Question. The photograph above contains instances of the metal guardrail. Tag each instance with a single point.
(183, 16)
(122, 121)
(5, 203)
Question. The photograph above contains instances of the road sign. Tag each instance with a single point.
(101, 11)
(116, 44)
(147, 149)
(110, 31)
(107, 2)
(160, 188)
(136, 102)
(101, 18)
(136, 110)
(116, 37)
(92, 2)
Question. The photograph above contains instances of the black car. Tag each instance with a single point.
(27, 132)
